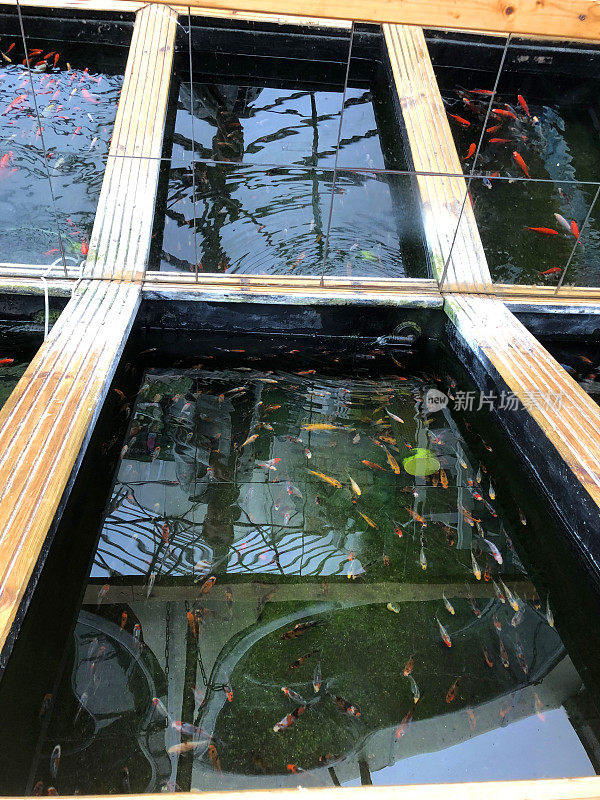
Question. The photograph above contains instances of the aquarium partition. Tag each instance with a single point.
(433, 200)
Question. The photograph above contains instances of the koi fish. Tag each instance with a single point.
(517, 618)
(355, 487)
(575, 230)
(500, 595)
(346, 707)
(249, 440)
(487, 658)
(451, 693)
(470, 151)
(300, 628)
(392, 462)
(373, 465)
(448, 604)
(443, 479)
(269, 464)
(444, 634)
(460, 120)
(184, 747)
(563, 222)
(214, 757)
(321, 426)
(494, 551)
(327, 479)
(14, 103)
(192, 624)
(208, 584)
(503, 654)
(271, 408)
(150, 584)
(294, 769)
(519, 159)
(416, 692)
(512, 600)
(289, 719)
(500, 112)
(475, 567)
(187, 728)
(394, 417)
(406, 720)
(397, 528)
(543, 231)
(90, 98)
(523, 104)
(368, 520)
(294, 696)
(417, 517)
(303, 658)
(102, 592)
(55, 760)
(474, 606)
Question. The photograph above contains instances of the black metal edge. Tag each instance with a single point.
(69, 25)
(559, 322)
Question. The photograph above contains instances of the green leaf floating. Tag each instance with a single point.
(421, 462)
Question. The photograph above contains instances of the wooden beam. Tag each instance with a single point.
(46, 422)
(433, 150)
(561, 19)
(120, 241)
(558, 789)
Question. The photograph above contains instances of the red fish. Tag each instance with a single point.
(406, 720)
(14, 103)
(545, 231)
(76, 131)
(574, 229)
(373, 465)
(346, 707)
(493, 129)
(123, 619)
(90, 98)
(192, 624)
(503, 113)
(488, 660)
(487, 92)
(460, 120)
(208, 584)
(4, 362)
(409, 666)
(522, 165)
(523, 104)
(289, 719)
(500, 141)
(451, 693)
(470, 151)
(84, 248)
(551, 271)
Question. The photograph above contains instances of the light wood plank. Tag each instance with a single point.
(120, 239)
(433, 150)
(45, 423)
(562, 19)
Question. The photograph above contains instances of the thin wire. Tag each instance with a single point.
(585, 221)
(193, 140)
(472, 173)
(41, 132)
(337, 153)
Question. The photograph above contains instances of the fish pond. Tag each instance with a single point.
(18, 344)
(56, 123)
(263, 158)
(529, 228)
(302, 576)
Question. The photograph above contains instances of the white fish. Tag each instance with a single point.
(563, 222)
(55, 760)
(494, 551)
(448, 604)
(476, 567)
(394, 417)
(512, 600)
(150, 584)
(492, 492)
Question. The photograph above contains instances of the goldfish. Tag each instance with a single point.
(470, 151)
(208, 584)
(289, 719)
(423, 559)
(317, 678)
(451, 693)
(14, 103)
(88, 96)
(460, 120)
(487, 658)
(355, 487)
(214, 757)
(544, 231)
(393, 607)
(300, 628)
(103, 591)
(249, 440)
(523, 104)
(271, 408)
(368, 520)
(4, 362)
(519, 159)
(294, 768)
(443, 479)
(444, 634)
(416, 692)
(373, 465)
(394, 417)
(409, 666)
(417, 517)
(500, 141)
(192, 624)
(406, 720)
(184, 747)
(303, 658)
(346, 707)
(549, 614)
(327, 479)
(55, 760)
(472, 719)
(500, 112)
(574, 229)
(493, 129)
(448, 604)
(392, 462)
(476, 568)
(123, 619)
(321, 426)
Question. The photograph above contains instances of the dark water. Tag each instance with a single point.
(265, 206)
(18, 343)
(193, 498)
(582, 361)
(559, 142)
(77, 101)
